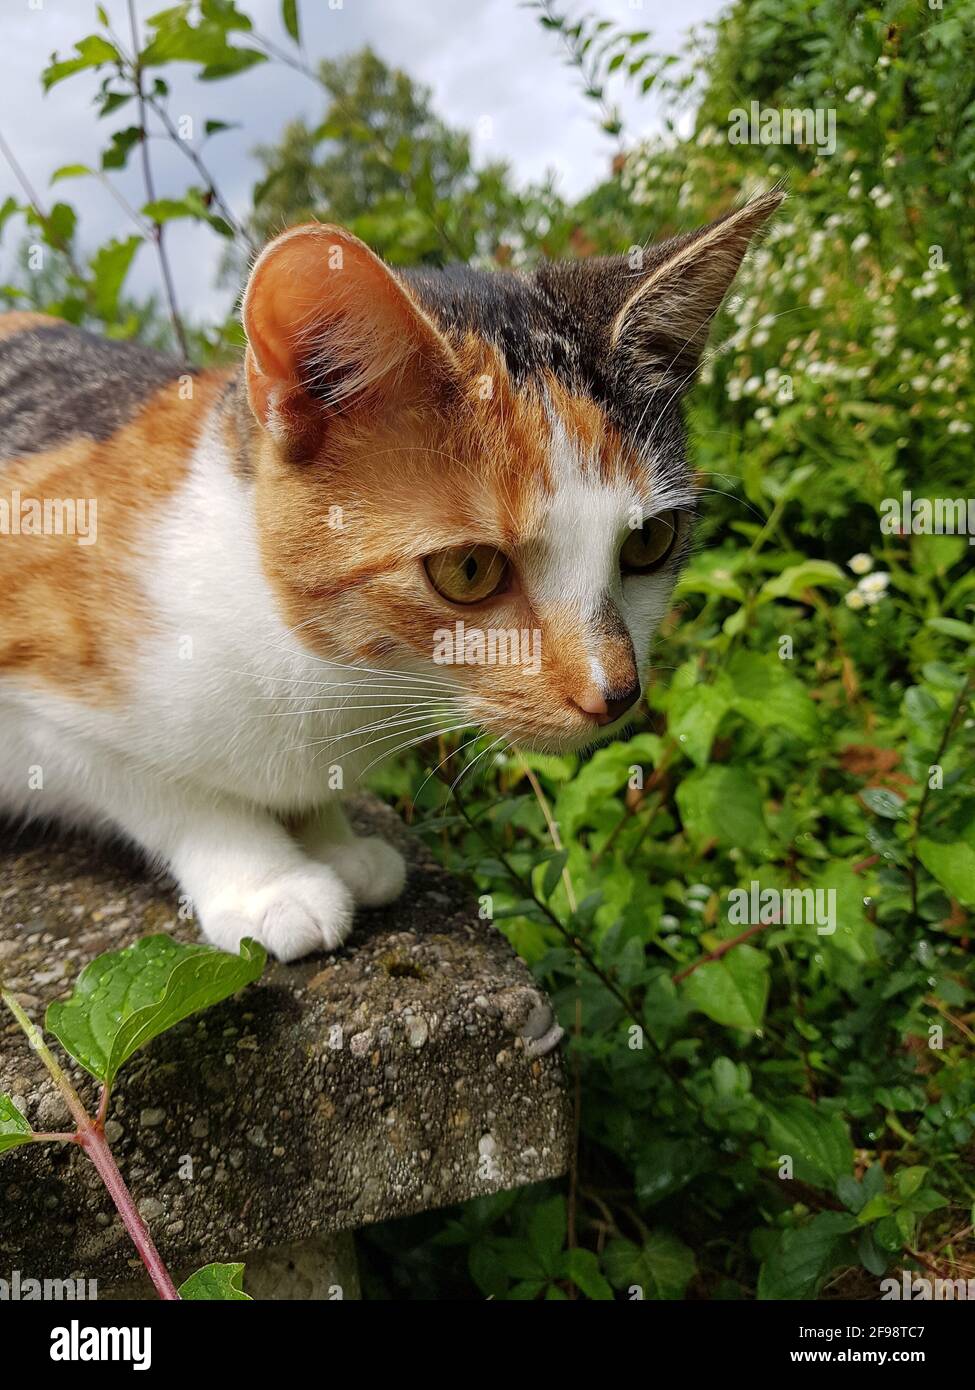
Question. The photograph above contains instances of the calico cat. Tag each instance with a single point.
(273, 557)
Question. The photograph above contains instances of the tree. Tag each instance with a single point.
(384, 164)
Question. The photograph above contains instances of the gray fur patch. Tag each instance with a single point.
(59, 382)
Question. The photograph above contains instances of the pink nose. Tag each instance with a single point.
(605, 709)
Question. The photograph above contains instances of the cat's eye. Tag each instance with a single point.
(467, 573)
(647, 548)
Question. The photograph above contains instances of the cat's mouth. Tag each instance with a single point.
(557, 740)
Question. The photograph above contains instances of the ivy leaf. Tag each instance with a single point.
(816, 1140)
(216, 1282)
(546, 1233)
(733, 990)
(14, 1129)
(804, 1257)
(582, 1267)
(662, 1268)
(124, 999)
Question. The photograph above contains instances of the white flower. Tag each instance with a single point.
(855, 599)
(873, 587)
(959, 427)
(816, 296)
(861, 563)
(860, 243)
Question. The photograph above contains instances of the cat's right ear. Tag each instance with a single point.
(329, 327)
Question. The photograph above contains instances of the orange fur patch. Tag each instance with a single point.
(72, 614)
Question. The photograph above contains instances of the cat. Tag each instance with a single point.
(227, 592)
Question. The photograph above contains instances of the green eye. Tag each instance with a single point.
(646, 549)
(467, 573)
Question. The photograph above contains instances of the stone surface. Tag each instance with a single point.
(415, 1068)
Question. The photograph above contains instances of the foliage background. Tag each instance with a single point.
(797, 706)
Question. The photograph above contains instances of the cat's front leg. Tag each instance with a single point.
(244, 874)
(371, 869)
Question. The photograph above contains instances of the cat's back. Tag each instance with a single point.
(58, 382)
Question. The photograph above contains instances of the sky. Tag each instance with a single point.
(492, 69)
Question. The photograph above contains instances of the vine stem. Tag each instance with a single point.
(95, 1145)
(90, 1135)
(157, 232)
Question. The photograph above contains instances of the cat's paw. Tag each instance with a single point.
(298, 912)
(371, 869)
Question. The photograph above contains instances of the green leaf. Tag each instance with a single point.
(14, 1129)
(60, 225)
(817, 1142)
(116, 153)
(289, 18)
(216, 1282)
(693, 718)
(582, 1267)
(951, 627)
(546, 1233)
(733, 990)
(124, 999)
(811, 574)
(766, 692)
(883, 802)
(804, 1257)
(92, 52)
(70, 171)
(110, 265)
(553, 872)
(662, 1268)
(722, 803)
(952, 864)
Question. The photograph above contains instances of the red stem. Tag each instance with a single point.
(95, 1145)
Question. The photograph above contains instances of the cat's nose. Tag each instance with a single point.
(605, 709)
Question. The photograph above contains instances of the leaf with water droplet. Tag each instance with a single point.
(124, 999)
(14, 1129)
(216, 1282)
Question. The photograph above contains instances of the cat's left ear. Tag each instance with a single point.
(659, 334)
(328, 326)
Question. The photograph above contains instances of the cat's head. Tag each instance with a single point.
(479, 477)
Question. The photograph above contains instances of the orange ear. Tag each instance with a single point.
(327, 323)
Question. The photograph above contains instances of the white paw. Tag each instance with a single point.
(370, 868)
(296, 913)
